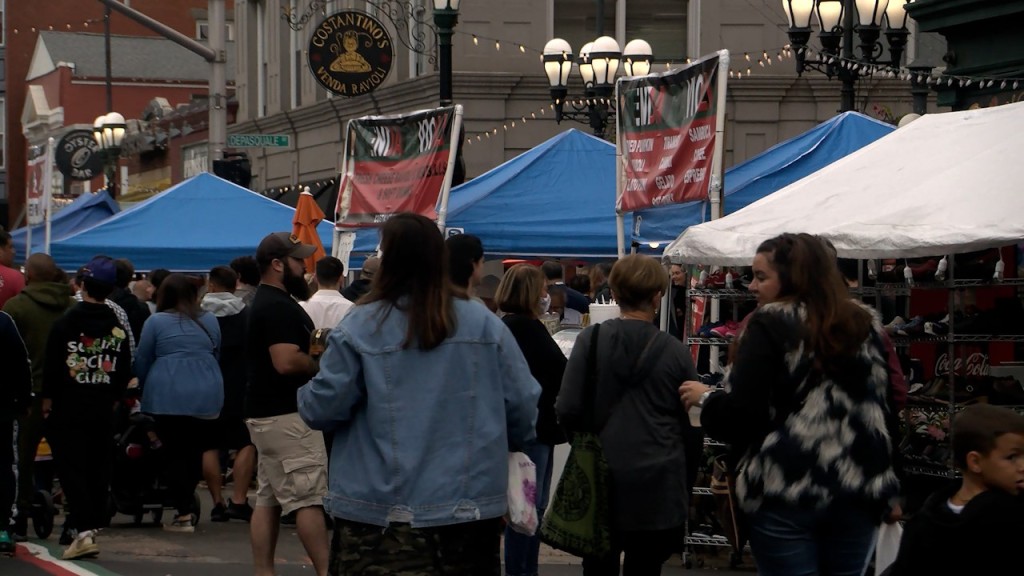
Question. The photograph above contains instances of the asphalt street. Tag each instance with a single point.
(222, 549)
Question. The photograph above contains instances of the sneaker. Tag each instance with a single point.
(7, 546)
(182, 524)
(241, 511)
(82, 546)
(219, 514)
(19, 528)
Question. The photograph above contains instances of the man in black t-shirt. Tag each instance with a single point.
(292, 470)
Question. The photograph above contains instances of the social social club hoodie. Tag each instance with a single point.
(88, 363)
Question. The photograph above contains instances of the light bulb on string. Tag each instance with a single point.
(476, 41)
(497, 45)
(523, 49)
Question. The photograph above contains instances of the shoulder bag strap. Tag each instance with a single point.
(590, 384)
(208, 335)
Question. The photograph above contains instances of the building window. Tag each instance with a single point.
(662, 23)
(203, 31)
(3, 21)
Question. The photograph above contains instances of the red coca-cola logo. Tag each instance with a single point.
(974, 366)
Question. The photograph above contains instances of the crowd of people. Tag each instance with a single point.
(385, 410)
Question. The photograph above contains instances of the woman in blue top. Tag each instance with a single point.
(424, 394)
(182, 387)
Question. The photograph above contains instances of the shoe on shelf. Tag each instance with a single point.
(7, 546)
(893, 326)
(83, 545)
(182, 524)
(241, 511)
(219, 513)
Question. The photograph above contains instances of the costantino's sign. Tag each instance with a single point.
(350, 53)
(78, 156)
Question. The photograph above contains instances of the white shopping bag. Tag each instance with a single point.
(522, 494)
(889, 536)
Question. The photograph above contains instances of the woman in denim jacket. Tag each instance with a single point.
(424, 394)
(182, 387)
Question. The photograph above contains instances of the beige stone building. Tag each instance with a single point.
(499, 78)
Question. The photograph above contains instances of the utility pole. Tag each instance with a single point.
(106, 42)
(215, 54)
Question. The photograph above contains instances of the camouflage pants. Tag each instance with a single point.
(469, 549)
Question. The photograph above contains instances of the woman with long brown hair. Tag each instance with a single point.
(424, 394)
(804, 409)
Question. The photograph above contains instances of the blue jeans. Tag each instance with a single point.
(521, 551)
(835, 541)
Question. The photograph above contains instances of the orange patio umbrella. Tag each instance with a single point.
(307, 216)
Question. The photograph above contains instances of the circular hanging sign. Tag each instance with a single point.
(78, 156)
(350, 53)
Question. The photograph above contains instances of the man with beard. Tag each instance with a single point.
(291, 472)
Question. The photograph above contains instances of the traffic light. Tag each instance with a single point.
(234, 168)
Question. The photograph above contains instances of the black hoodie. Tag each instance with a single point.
(88, 363)
(984, 538)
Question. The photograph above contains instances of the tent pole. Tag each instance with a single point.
(446, 186)
(620, 220)
(48, 194)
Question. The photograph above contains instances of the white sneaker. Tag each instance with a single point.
(82, 546)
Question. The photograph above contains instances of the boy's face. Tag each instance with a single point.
(1003, 468)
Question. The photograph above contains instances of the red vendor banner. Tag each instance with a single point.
(394, 164)
(667, 134)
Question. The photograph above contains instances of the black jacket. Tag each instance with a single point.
(136, 309)
(985, 538)
(88, 363)
(233, 367)
(16, 389)
(547, 364)
(639, 416)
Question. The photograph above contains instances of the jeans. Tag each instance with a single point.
(835, 541)
(83, 456)
(521, 551)
(183, 444)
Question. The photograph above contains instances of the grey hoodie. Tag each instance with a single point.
(222, 304)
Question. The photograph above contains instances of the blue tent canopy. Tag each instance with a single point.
(766, 173)
(191, 227)
(86, 211)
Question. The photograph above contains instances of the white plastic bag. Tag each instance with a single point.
(522, 494)
(889, 536)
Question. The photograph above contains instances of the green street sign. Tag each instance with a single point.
(259, 141)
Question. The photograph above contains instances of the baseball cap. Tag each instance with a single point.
(281, 245)
(101, 269)
(370, 267)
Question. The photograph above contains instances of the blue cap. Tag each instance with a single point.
(101, 269)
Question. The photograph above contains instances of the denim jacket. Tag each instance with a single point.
(420, 437)
(177, 365)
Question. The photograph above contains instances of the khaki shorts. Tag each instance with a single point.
(292, 469)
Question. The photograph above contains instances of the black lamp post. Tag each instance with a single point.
(108, 130)
(598, 63)
(836, 21)
(446, 16)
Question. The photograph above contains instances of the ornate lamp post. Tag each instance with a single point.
(598, 63)
(836, 21)
(108, 130)
(446, 16)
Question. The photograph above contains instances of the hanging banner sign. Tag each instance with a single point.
(78, 156)
(35, 183)
(394, 164)
(350, 53)
(667, 126)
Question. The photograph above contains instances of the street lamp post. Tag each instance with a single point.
(446, 16)
(598, 63)
(836, 21)
(108, 131)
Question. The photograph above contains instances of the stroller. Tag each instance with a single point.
(136, 487)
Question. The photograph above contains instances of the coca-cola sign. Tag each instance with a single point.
(973, 366)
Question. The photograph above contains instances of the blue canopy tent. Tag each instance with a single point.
(766, 173)
(191, 227)
(86, 211)
(557, 199)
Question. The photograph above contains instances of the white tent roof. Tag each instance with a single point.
(945, 183)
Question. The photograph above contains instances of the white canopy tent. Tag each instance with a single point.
(943, 184)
